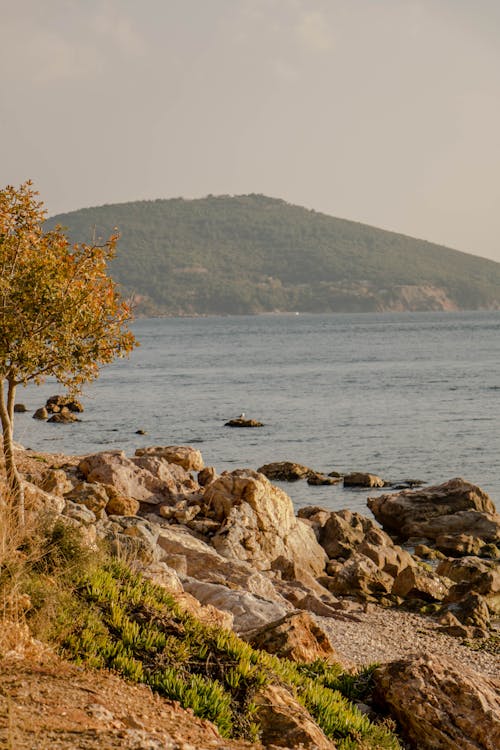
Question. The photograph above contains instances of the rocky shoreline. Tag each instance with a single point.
(322, 584)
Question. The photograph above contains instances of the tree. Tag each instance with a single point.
(60, 313)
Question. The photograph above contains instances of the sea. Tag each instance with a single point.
(401, 395)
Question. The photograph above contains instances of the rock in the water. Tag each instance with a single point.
(258, 523)
(41, 413)
(189, 458)
(65, 416)
(318, 479)
(285, 471)
(361, 479)
(296, 636)
(56, 404)
(241, 422)
(407, 513)
(441, 704)
(20, 408)
(285, 723)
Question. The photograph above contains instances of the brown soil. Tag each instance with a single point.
(48, 704)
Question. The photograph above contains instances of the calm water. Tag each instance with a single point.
(400, 395)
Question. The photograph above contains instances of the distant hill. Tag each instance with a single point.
(251, 254)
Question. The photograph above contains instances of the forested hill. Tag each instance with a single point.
(250, 254)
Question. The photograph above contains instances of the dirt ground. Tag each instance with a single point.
(48, 704)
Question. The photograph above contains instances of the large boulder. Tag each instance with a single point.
(296, 636)
(178, 483)
(441, 704)
(416, 512)
(185, 456)
(194, 558)
(258, 524)
(249, 611)
(473, 523)
(128, 479)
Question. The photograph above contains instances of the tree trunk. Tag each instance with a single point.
(7, 419)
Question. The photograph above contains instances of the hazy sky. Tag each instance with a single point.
(382, 111)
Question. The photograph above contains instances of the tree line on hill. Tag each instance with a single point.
(252, 254)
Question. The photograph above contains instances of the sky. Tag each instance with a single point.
(381, 111)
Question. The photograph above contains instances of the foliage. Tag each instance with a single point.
(101, 614)
(60, 313)
(250, 253)
(128, 624)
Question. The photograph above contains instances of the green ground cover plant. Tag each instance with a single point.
(96, 611)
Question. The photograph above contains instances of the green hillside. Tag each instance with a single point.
(250, 254)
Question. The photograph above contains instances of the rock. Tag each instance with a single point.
(296, 636)
(93, 496)
(205, 564)
(378, 546)
(20, 408)
(342, 532)
(472, 523)
(459, 544)
(427, 553)
(207, 475)
(416, 583)
(285, 471)
(359, 576)
(183, 455)
(56, 481)
(285, 723)
(178, 484)
(239, 422)
(79, 513)
(38, 500)
(160, 574)
(132, 537)
(118, 505)
(63, 417)
(56, 404)
(41, 413)
(470, 608)
(258, 523)
(248, 610)
(128, 479)
(475, 574)
(360, 479)
(315, 517)
(320, 479)
(405, 513)
(206, 613)
(440, 703)
(450, 625)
